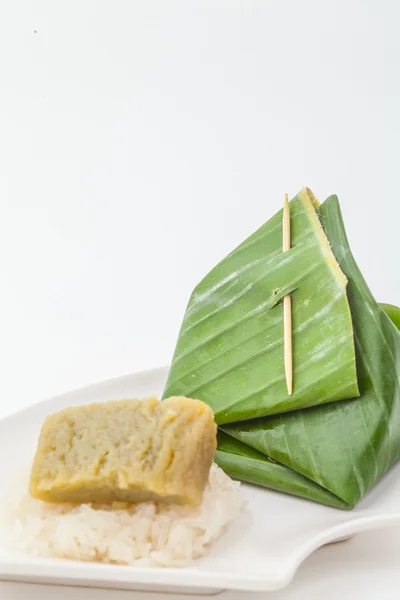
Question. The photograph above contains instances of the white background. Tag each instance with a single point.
(140, 141)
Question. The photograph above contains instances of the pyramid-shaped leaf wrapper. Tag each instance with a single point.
(343, 447)
(230, 348)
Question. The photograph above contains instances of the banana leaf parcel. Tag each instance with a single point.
(332, 451)
(343, 447)
(230, 347)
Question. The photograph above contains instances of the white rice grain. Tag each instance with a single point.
(148, 534)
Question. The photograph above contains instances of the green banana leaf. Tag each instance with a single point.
(246, 464)
(230, 348)
(343, 447)
(393, 312)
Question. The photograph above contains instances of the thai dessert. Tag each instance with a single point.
(128, 451)
(339, 431)
(129, 482)
(285, 350)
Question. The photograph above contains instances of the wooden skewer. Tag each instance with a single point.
(287, 305)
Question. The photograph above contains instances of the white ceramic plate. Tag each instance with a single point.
(261, 551)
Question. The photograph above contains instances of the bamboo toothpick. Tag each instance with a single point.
(287, 305)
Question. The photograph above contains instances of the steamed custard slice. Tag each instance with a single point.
(126, 450)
